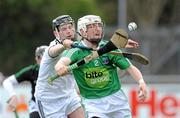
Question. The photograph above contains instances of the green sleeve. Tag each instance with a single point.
(23, 71)
(73, 54)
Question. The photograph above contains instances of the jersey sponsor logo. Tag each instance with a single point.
(97, 77)
(93, 74)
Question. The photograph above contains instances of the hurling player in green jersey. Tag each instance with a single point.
(98, 80)
(29, 74)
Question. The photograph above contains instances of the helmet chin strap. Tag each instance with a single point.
(57, 34)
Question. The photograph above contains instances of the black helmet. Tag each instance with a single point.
(61, 20)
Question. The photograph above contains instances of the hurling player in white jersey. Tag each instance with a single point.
(59, 100)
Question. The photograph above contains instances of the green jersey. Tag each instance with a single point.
(29, 73)
(99, 77)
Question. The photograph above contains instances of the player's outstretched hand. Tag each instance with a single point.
(142, 94)
(132, 44)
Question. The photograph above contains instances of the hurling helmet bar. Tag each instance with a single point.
(61, 20)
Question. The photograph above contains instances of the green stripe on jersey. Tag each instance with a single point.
(24, 70)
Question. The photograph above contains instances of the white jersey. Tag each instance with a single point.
(61, 87)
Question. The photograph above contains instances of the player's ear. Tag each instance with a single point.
(55, 33)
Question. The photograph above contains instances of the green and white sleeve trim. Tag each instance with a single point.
(71, 52)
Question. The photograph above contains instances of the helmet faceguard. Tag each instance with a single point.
(61, 20)
(87, 20)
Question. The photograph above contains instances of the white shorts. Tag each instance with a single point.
(113, 106)
(32, 106)
(59, 108)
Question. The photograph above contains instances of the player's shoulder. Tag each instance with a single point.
(74, 50)
(76, 43)
(31, 67)
(71, 51)
(28, 69)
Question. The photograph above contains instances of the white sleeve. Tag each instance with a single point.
(8, 85)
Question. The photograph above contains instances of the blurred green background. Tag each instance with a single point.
(26, 24)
